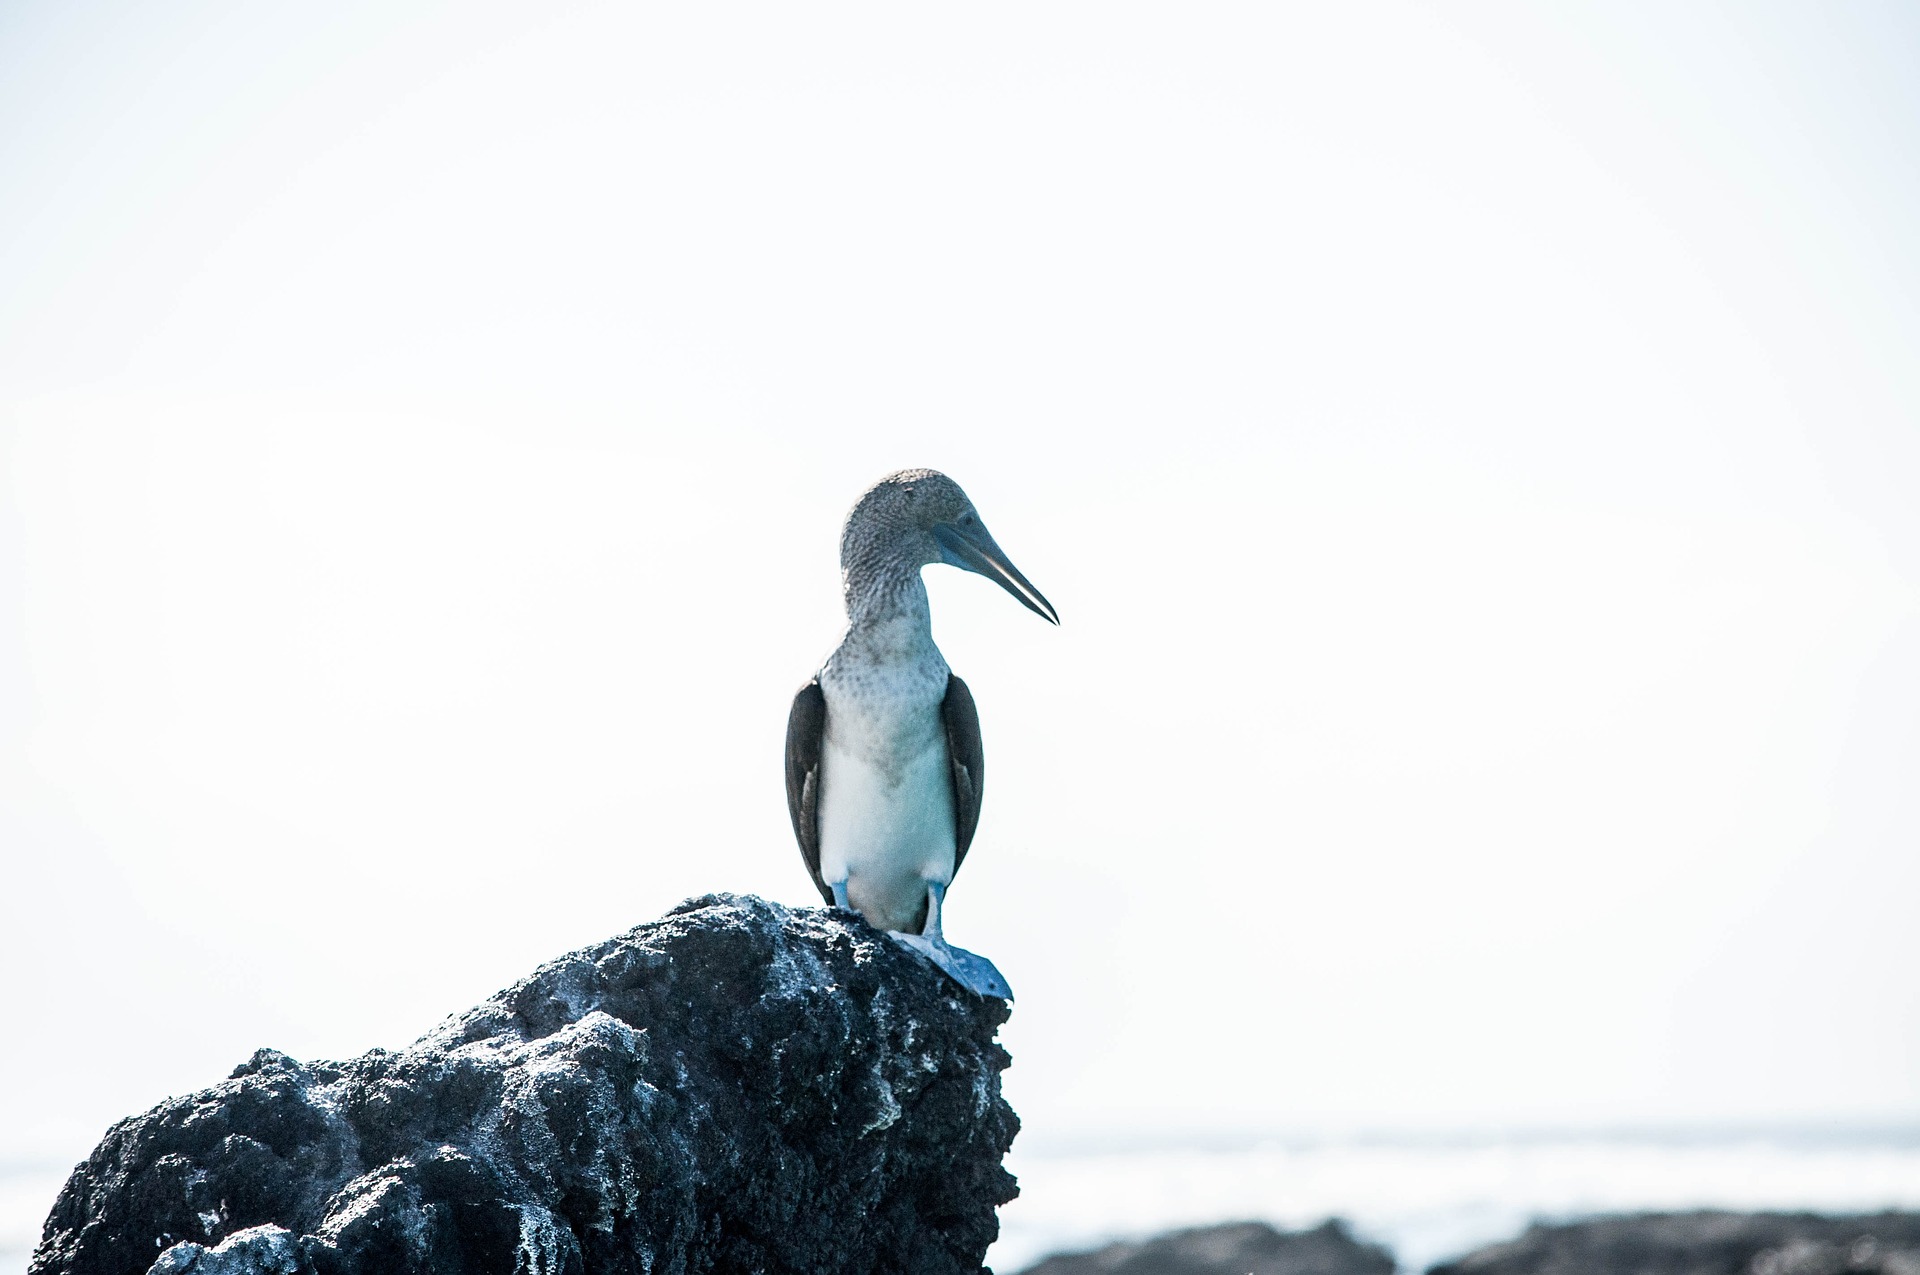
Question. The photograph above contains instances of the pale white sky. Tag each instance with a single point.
(1472, 448)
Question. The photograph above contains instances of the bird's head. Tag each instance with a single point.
(918, 517)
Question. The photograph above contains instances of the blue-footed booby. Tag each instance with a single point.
(884, 765)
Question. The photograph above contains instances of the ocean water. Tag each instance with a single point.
(1429, 1199)
(1425, 1198)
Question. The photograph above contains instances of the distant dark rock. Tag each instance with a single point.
(1707, 1244)
(734, 1088)
(1238, 1248)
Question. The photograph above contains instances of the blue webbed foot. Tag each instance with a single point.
(972, 971)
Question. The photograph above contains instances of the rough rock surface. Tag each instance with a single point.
(1238, 1248)
(1707, 1244)
(734, 1088)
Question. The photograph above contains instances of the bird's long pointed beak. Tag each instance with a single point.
(970, 548)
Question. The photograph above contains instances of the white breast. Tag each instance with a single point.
(886, 792)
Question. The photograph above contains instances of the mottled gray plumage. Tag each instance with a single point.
(884, 763)
(888, 537)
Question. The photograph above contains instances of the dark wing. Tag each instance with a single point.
(806, 734)
(968, 760)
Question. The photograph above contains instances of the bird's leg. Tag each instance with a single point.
(840, 896)
(936, 895)
(975, 973)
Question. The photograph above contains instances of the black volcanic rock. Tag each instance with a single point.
(1238, 1248)
(733, 1088)
(1707, 1243)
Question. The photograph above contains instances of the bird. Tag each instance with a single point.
(884, 765)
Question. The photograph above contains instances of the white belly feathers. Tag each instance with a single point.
(886, 791)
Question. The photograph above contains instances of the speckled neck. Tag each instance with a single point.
(887, 595)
